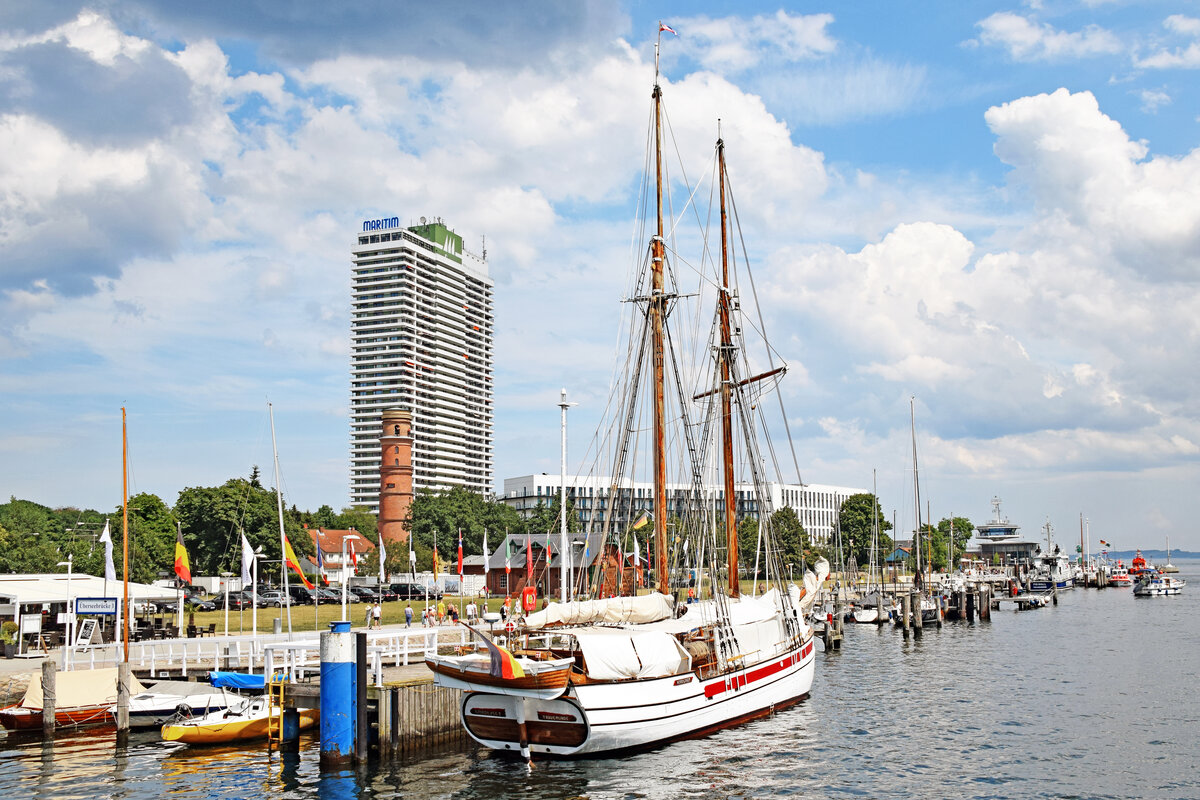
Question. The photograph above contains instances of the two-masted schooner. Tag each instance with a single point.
(631, 671)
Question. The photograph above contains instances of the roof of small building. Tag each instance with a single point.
(330, 540)
(53, 588)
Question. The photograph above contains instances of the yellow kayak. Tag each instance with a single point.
(240, 722)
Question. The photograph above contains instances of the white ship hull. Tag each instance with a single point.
(623, 715)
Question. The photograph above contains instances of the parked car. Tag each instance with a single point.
(238, 600)
(274, 598)
(302, 595)
(363, 593)
(202, 605)
(330, 596)
(411, 591)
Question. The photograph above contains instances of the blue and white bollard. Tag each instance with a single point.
(338, 695)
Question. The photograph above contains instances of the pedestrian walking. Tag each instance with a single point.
(377, 614)
(408, 615)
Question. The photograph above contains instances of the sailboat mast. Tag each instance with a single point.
(125, 533)
(912, 415)
(725, 354)
(657, 313)
(283, 567)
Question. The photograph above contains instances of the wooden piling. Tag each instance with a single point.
(905, 604)
(969, 600)
(123, 681)
(48, 697)
(918, 623)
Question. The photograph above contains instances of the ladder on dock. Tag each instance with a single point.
(276, 688)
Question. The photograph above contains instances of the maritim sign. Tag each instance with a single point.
(381, 224)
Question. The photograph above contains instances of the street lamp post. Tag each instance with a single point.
(69, 564)
(226, 576)
(564, 552)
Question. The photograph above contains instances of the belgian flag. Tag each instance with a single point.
(182, 568)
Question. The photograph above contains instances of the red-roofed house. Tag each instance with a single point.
(331, 543)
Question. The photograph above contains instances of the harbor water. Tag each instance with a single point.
(1093, 698)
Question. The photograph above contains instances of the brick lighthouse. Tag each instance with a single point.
(395, 475)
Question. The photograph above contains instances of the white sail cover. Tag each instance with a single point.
(615, 654)
(612, 611)
(80, 688)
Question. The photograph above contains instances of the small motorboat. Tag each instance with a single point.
(1120, 576)
(246, 719)
(1153, 584)
(167, 701)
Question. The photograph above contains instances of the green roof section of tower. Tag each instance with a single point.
(450, 243)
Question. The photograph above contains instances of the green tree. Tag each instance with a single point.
(437, 518)
(858, 516)
(151, 539)
(790, 536)
(963, 529)
(214, 516)
(747, 545)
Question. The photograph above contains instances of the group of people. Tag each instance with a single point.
(374, 615)
(434, 616)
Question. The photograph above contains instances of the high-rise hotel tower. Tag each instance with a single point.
(421, 341)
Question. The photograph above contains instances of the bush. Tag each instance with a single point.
(8, 632)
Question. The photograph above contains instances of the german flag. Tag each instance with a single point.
(289, 557)
(642, 521)
(504, 664)
(182, 568)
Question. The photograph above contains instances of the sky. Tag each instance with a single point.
(992, 208)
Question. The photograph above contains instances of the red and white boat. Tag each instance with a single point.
(82, 697)
(1120, 576)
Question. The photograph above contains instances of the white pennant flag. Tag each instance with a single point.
(382, 559)
(485, 555)
(247, 561)
(110, 570)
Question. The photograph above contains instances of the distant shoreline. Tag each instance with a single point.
(1150, 555)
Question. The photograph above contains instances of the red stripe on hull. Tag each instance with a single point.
(738, 681)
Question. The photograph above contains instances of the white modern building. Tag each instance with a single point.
(816, 505)
(421, 331)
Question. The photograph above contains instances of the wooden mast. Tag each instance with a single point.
(725, 353)
(125, 533)
(657, 314)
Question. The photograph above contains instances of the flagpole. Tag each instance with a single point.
(254, 598)
(125, 533)
(179, 583)
(344, 579)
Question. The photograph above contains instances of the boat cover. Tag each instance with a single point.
(236, 680)
(611, 611)
(615, 654)
(80, 689)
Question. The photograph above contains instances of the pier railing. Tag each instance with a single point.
(297, 656)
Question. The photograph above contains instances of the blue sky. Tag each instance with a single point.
(993, 207)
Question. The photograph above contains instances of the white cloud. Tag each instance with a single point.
(736, 44)
(1153, 99)
(1026, 40)
(1187, 57)
(1084, 171)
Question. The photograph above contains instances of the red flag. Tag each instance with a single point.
(353, 555)
(460, 572)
